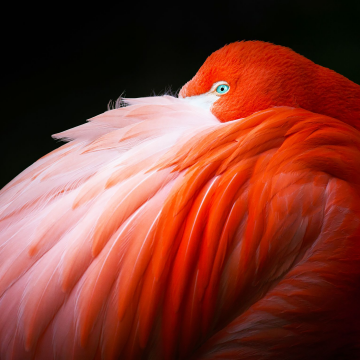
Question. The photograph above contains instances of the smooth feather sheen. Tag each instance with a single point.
(159, 232)
(104, 254)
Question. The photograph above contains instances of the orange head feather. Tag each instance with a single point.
(263, 75)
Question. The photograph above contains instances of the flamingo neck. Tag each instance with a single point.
(336, 96)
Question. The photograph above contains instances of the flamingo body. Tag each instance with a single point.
(163, 230)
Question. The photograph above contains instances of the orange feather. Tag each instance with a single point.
(220, 224)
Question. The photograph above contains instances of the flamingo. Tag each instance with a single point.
(222, 224)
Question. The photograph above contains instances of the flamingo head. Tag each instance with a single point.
(249, 76)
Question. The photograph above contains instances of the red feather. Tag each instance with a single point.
(165, 230)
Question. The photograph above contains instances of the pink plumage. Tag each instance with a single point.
(77, 224)
(160, 232)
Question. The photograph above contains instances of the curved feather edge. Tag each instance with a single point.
(157, 225)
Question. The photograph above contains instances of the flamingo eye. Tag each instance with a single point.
(222, 89)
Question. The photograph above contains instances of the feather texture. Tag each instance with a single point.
(158, 229)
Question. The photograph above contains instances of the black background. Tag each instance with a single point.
(62, 64)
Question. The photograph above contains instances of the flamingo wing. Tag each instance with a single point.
(158, 229)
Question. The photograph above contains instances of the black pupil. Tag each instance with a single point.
(222, 88)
